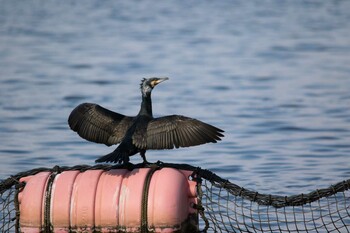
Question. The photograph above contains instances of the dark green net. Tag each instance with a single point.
(224, 206)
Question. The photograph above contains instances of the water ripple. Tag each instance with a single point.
(274, 76)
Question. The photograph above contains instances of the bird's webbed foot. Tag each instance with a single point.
(127, 165)
(125, 162)
(160, 163)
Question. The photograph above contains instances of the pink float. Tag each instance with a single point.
(109, 201)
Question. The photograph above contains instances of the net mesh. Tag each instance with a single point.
(9, 207)
(226, 211)
(224, 206)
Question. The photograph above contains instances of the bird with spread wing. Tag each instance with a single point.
(136, 134)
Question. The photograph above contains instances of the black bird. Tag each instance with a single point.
(142, 132)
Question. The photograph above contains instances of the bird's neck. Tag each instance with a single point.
(146, 105)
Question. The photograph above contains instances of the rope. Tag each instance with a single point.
(18, 188)
(47, 204)
(200, 207)
(222, 205)
(262, 199)
(144, 202)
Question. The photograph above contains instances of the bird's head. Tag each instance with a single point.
(147, 84)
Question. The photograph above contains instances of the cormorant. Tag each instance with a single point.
(142, 132)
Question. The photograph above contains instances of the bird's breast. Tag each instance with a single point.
(139, 136)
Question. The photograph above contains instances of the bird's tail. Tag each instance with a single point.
(117, 156)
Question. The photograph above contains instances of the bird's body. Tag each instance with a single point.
(142, 132)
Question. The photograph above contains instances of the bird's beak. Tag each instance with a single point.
(160, 80)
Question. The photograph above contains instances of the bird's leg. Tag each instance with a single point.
(143, 155)
(125, 159)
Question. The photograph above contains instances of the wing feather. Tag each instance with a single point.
(180, 131)
(97, 124)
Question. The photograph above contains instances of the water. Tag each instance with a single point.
(273, 75)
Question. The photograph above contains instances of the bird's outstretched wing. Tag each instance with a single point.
(178, 131)
(97, 124)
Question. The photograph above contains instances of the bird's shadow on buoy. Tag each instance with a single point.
(130, 166)
(130, 169)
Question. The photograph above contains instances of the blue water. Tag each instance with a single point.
(274, 75)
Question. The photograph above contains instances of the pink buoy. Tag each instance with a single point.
(109, 188)
(62, 189)
(31, 202)
(109, 201)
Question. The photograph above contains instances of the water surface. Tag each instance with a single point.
(273, 75)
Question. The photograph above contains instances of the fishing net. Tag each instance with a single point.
(224, 206)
